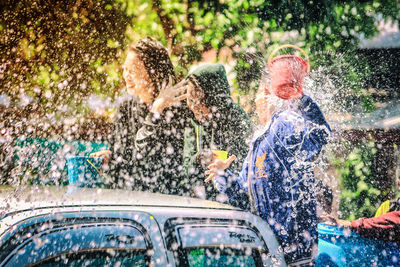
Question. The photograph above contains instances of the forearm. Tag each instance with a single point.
(229, 185)
(385, 227)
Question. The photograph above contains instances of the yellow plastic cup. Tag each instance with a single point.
(221, 154)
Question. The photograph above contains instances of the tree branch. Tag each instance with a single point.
(166, 23)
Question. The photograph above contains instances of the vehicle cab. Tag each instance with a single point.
(48, 226)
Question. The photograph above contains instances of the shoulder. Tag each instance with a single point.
(287, 119)
(180, 112)
(239, 117)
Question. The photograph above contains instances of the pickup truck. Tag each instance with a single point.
(54, 226)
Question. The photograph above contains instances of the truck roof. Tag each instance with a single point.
(35, 197)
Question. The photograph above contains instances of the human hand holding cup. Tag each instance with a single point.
(217, 167)
(207, 156)
(204, 157)
(105, 154)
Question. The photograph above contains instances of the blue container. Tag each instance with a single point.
(342, 247)
(85, 171)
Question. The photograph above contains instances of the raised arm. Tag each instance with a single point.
(168, 96)
(385, 227)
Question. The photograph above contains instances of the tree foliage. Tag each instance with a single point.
(360, 196)
(59, 52)
(56, 53)
(320, 25)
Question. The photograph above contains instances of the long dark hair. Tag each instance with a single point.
(156, 61)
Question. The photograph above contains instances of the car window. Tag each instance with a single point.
(222, 257)
(192, 235)
(198, 242)
(125, 243)
(109, 257)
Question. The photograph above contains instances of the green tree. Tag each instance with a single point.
(318, 25)
(56, 53)
(254, 27)
(360, 195)
(59, 52)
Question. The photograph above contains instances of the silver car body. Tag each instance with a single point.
(39, 223)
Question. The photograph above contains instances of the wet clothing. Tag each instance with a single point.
(228, 130)
(385, 227)
(124, 167)
(277, 179)
(160, 143)
(147, 164)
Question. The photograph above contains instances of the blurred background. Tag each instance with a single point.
(61, 77)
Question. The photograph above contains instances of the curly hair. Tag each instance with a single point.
(156, 61)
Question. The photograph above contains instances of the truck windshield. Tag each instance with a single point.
(214, 256)
(107, 257)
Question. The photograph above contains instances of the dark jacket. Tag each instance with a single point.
(150, 163)
(385, 227)
(129, 118)
(281, 181)
(160, 143)
(228, 130)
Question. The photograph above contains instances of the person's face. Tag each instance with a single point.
(195, 103)
(263, 107)
(137, 79)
